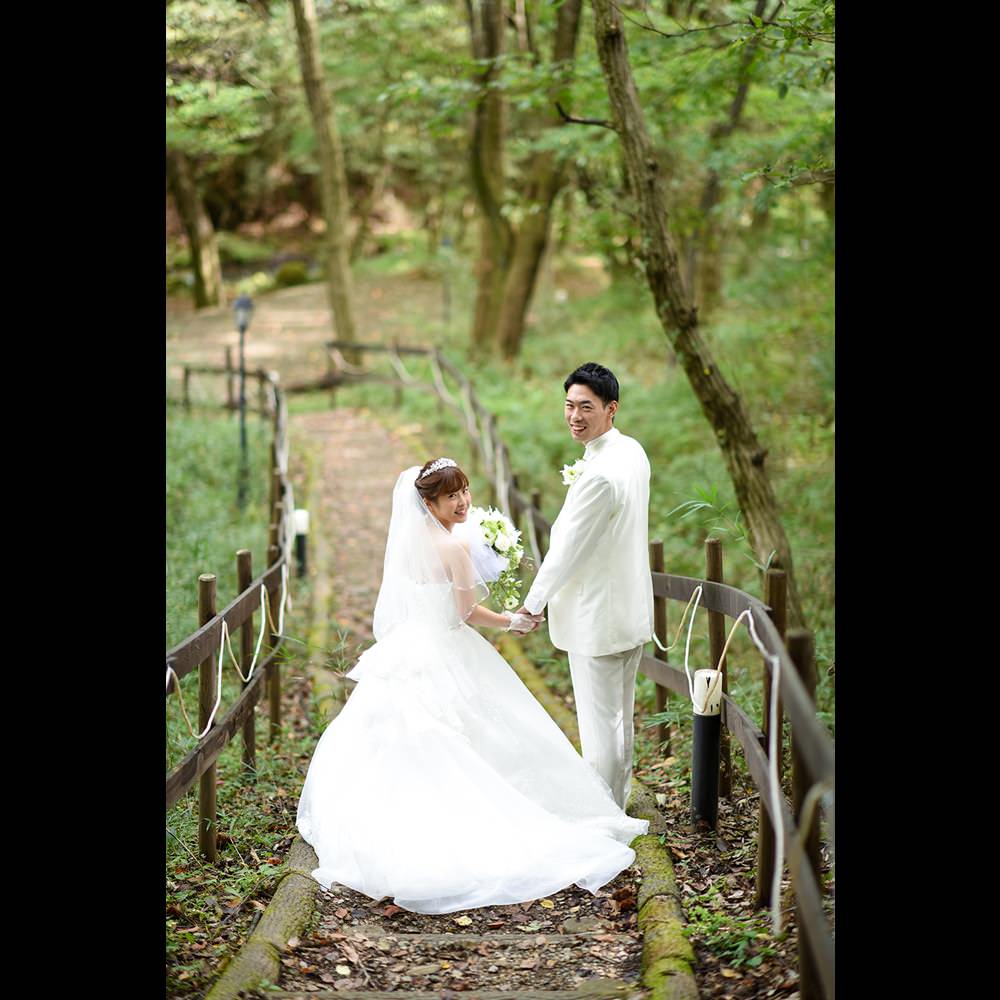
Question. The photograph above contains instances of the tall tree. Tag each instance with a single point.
(510, 255)
(543, 179)
(200, 232)
(333, 181)
(704, 246)
(486, 149)
(743, 453)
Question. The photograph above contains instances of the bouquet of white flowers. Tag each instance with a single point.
(499, 533)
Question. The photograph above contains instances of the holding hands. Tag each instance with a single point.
(523, 621)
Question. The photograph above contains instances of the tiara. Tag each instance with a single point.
(441, 463)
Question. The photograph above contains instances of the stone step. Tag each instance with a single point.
(594, 989)
(377, 933)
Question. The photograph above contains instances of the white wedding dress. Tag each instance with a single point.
(443, 783)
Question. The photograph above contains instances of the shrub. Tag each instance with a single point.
(294, 272)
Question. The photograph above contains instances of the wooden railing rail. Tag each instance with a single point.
(189, 652)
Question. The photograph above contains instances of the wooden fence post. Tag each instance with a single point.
(774, 597)
(800, 648)
(660, 628)
(397, 394)
(716, 643)
(244, 577)
(332, 371)
(187, 388)
(207, 827)
(274, 603)
(277, 493)
(275, 482)
(230, 397)
(543, 536)
(273, 530)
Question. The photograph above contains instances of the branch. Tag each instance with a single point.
(817, 36)
(815, 177)
(828, 176)
(584, 121)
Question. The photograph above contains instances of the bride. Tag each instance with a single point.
(443, 783)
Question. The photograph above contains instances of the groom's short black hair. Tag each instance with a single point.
(596, 377)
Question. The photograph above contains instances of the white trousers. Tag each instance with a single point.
(604, 689)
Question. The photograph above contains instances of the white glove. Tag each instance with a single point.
(520, 623)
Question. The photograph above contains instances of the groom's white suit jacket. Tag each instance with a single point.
(595, 578)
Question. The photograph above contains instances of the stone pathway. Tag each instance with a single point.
(359, 462)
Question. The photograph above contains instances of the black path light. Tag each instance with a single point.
(707, 697)
(243, 307)
(301, 523)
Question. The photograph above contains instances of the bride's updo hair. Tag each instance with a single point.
(450, 479)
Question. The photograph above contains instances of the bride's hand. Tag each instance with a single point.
(520, 623)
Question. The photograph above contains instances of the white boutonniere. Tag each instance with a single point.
(571, 473)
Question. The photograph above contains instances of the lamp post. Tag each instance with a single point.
(243, 308)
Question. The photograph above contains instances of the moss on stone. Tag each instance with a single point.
(289, 911)
(658, 877)
(663, 937)
(642, 805)
(670, 979)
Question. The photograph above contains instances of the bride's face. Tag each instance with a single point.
(451, 508)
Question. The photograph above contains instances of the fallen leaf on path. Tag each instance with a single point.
(343, 970)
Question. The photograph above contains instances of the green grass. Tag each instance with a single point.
(205, 529)
(204, 525)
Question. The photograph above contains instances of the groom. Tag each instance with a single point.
(595, 578)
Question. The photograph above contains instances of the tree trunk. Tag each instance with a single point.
(375, 189)
(545, 178)
(486, 27)
(199, 229)
(704, 278)
(743, 453)
(566, 228)
(529, 248)
(333, 179)
(365, 211)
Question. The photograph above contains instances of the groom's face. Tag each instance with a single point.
(586, 414)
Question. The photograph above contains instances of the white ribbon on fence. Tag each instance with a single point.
(224, 642)
(442, 389)
(397, 363)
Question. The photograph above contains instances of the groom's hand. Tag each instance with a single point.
(522, 610)
(522, 624)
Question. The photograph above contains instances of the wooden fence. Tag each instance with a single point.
(200, 649)
(812, 748)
